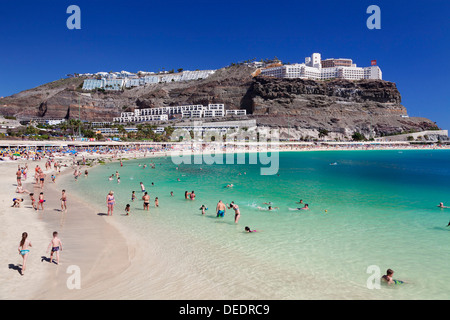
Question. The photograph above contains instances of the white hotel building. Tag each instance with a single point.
(188, 111)
(317, 69)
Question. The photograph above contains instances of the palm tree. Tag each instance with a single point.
(73, 124)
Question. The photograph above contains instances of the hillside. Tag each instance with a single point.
(372, 107)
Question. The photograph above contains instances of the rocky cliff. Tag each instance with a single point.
(303, 107)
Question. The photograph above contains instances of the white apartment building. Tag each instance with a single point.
(316, 69)
(139, 118)
(120, 80)
(236, 112)
(187, 111)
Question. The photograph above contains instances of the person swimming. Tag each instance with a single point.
(269, 208)
(306, 207)
(387, 278)
(441, 205)
(247, 229)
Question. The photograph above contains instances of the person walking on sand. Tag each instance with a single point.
(41, 201)
(63, 201)
(110, 201)
(33, 201)
(56, 246)
(220, 209)
(41, 178)
(24, 250)
(19, 177)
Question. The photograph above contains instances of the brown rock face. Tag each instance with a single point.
(372, 107)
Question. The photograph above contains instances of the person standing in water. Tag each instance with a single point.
(237, 213)
(203, 208)
(220, 209)
(24, 250)
(146, 199)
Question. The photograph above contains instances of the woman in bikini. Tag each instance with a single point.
(237, 213)
(110, 202)
(24, 250)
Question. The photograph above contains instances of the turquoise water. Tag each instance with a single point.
(381, 211)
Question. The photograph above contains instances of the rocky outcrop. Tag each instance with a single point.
(301, 107)
(371, 107)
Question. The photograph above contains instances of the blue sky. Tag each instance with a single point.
(412, 47)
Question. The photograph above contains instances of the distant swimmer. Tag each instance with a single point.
(269, 208)
(247, 229)
(306, 207)
(333, 164)
(441, 205)
(229, 186)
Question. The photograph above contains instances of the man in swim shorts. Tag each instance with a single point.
(146, 199)
(221, 208)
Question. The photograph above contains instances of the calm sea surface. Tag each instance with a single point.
(371, 208)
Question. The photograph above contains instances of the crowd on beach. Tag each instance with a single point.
(34, 153)
(37, 204)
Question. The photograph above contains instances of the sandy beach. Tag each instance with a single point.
(90, 244)
(93, 247)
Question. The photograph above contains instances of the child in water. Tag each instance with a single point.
(387, 278)
(127, 209)
(203, 208)
(247, 229)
